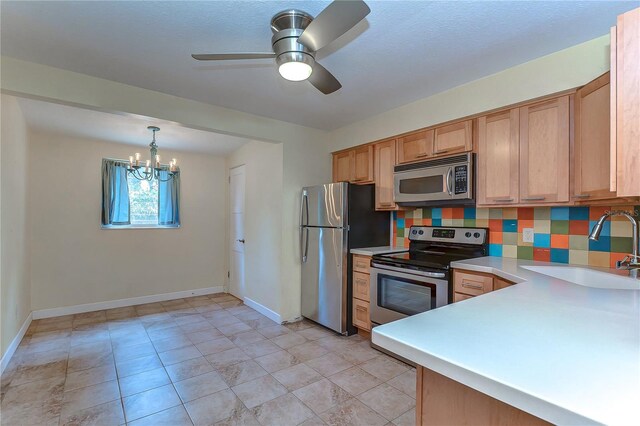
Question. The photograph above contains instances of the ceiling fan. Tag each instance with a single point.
(297, 36)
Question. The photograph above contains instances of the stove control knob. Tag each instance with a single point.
(467, 234)
(414, 232)
(421, 232)
(476, 235)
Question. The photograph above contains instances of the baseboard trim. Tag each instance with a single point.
(6, 357)
(120, 303)
(263, 310)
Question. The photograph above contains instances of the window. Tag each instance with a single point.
(129, 203)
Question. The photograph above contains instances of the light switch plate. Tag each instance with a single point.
(527, 235)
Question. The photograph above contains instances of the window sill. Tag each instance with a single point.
(112, 227)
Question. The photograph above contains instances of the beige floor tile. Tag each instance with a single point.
(137, 365)
(273, 331)
(355, 380)
(387, 401)
(124, 353)
(259, 391)
(199, 386)
(260, 348)
(200, 336)
(227, 358)
(109, 413)
(234, 328)
(137, 383)
(352, 412)
(175, 416)
(384, 367)
(335, 343)
(230, 304)
(79, 362)
(172, 343)
(184, 319)
(277, 361)
(246, 338)
(406, 419)
(175, 356)
(240, 417)
(24, 358)
(91, 376)
(300, 325)
(405, 382)
(297, 376)
(289, 340)
(315, 333)
(39, 390)
(307, 351)
(121, 313)
(284, 410)
(45, 412)
(313, 421)
(241, 372)
(165, 333)
(258, 323)
(322, 395)
(329, 364)
(202, 325)
(150, 402)
(358, 353)
(190, 368)
(129, 339)
(26, 374)
(215, 346)
(89, 396)
(215, 407)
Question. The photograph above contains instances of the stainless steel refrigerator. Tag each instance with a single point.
(335, 218)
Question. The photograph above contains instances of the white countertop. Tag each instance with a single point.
(370, 251)
(566, 353)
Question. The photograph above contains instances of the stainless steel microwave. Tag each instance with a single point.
(440, 181)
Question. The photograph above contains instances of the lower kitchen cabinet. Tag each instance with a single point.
(361, 284)
(468, 284)
(361, 315)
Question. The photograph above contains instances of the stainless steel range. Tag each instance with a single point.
(419, 280)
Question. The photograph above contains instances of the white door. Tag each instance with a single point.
(236, 243)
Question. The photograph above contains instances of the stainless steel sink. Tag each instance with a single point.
(587, 277)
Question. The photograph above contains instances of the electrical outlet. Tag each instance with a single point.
(527, 235)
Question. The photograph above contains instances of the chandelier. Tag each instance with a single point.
(146, 171)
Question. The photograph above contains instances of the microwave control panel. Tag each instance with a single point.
(460, 176)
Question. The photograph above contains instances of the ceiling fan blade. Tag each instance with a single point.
(232, 56)
(335, 20)
(323, 80)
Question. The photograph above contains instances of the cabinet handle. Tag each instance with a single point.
(467, 284)
(442, 151)
(386, 204)
(504, 200)
(361, 281)
(581, 196)
(361, 309)
(359, 179)
(361, 265)
(424, 154)
(533, 198)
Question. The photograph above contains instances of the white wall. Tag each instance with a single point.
(549, 74)
(263, 220)
(15, 289)
(74, 261)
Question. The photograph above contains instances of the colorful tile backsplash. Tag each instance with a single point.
(560, 234)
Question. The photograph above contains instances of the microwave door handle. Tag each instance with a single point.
(449, 183)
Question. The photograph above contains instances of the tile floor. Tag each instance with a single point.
(202, 360)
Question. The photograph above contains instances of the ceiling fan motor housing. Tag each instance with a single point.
(287, 26)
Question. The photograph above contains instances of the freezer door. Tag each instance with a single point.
(324, 205)
(324, 277)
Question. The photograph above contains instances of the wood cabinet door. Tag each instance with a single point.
(343, 166)
(591, 162)
(363, 164)
(544, 152)
(498, 158)
(625, 52)
(361, 317)
(385, 159)
(415, 146)
(456, 137)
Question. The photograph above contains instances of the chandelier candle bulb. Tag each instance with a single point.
(137, 158)
(131, 164)
(148, 164)
(157, 161)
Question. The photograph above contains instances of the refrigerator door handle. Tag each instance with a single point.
(305, 252)
(304, 202)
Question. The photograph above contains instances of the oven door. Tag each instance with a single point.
(397, 294)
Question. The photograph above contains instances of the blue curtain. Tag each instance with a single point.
(169, 200)
(115, 193)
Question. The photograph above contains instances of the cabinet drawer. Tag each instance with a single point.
(361, 314)
(361, 263)
(457, 297)
(361, 286)
(472, 284)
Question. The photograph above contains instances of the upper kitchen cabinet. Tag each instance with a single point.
(591, 155)
(498, 155)
(544, 152)
(453, 138)
(415, 146)
(363, 167)
(385, 160)
(343, 166)
(625, 105)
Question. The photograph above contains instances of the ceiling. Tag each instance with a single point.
(126, 129)
(403, 51)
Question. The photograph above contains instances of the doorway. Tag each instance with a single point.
(237, 239)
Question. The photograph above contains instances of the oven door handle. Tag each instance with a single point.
(380, 267)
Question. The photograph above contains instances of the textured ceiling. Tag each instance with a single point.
(403, 51)
(127, 129)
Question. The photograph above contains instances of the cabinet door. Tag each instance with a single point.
(456, 137)
(363, 167)
(591, 145)
(498, 149)
(385, 160)
(544, 152)
(625, 68)
(361, 317)
(343, 166)
(415, 146)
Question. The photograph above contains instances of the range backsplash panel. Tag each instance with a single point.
(560, 233)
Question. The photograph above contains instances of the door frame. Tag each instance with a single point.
(236, 170)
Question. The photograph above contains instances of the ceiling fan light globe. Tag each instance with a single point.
(295, 71)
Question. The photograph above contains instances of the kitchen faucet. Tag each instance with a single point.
(632, 261)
